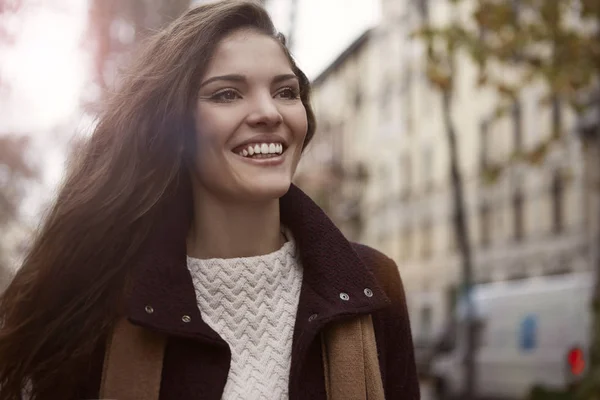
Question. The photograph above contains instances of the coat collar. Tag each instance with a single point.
(162, 296)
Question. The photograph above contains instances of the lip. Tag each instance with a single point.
(263, 162)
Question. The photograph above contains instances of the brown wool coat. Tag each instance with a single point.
(196, 360)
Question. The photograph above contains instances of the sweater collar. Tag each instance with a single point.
(336, 283)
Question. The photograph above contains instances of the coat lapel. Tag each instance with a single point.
(336, 285)
(336, 282)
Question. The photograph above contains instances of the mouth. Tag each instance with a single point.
(259, 151)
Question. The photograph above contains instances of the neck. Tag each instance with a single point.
(229, 229)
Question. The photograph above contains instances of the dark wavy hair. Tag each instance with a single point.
(65, 297)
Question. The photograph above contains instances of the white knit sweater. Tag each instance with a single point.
(251, 303)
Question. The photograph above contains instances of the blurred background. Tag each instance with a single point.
(459, 137)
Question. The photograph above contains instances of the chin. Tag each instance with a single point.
(268, 190)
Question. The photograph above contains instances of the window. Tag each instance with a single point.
(337, 141)
(426, 319)
(386, 99)
(451, 299)
(357, 98)
(407, 80)
(423, 9)
(518, 214)
(406, 175)
(480, 332)
(426, 240)
(557, 203)
(385, 182)
(427, 168)
(484, 224)
(407, 98)
(516, 12)
(452, 242)
(484, 144)
(407, 243)
(556, 116)
(517, 119)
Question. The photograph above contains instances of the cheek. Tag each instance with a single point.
(298, 122)
(212, 129)
(209, 144)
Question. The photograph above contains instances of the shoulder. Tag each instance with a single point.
(384, 268)
(372, 257)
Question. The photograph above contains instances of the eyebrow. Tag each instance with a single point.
(241, 78)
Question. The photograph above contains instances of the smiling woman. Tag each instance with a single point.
(179, 261)
(249, 100)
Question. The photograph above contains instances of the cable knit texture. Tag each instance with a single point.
(251, 303)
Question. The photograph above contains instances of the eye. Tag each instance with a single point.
(288, 93)
(225, 96)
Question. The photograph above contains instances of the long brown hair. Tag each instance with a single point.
(65, 297)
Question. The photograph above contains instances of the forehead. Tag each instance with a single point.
(248, 52)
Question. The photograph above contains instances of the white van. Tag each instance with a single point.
(531, 331)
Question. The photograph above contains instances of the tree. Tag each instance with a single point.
(441, 72)
(16, 170)
(117, 26)
(556, 43)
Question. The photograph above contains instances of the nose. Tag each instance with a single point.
(264, 112)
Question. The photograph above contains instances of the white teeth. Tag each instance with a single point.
(263, 148)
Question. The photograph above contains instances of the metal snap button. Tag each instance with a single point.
(344, 296)
(312, 317)
(368, 292)
(186, 318)
(149, 309)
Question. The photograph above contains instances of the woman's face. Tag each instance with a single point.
(250, 121)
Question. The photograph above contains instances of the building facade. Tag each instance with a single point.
(333, 168)
(386, 146)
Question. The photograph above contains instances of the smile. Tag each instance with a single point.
(260, 150)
